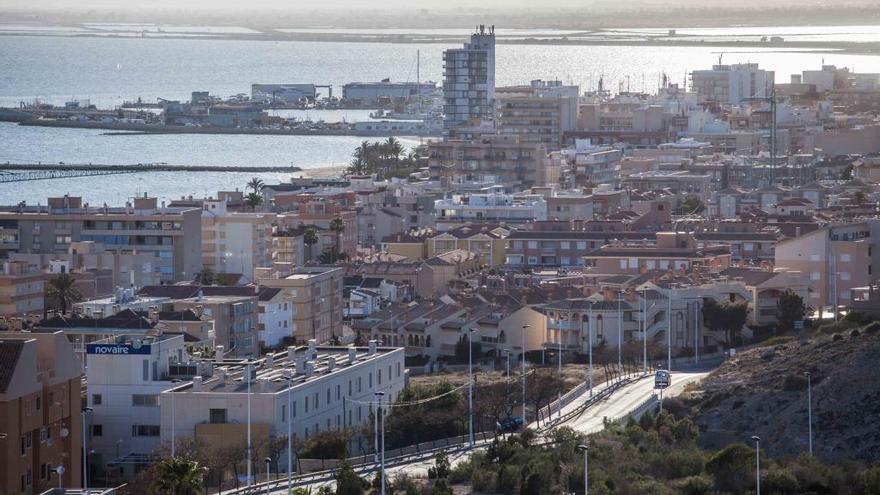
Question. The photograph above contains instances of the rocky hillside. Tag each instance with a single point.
(763, 392)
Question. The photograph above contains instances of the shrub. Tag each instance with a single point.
(837, 337)
(732, 468)
(794, 383)
(780, 481)
(840, 326)
(696, 485)
(855, 333)
(484, 480)
(872, 327)
(778, 340)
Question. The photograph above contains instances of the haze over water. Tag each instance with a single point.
(110, 70)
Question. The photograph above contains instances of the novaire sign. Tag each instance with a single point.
(125, 349)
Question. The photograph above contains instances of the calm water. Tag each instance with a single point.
(108, 71)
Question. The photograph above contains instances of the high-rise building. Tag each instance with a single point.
(469, 79)
(541, 112)
(732, 84)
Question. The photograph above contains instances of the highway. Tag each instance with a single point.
(617, 405)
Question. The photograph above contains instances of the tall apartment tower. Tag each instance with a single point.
(469, 79)
(732, 84)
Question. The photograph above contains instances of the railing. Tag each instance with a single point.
(598, 396)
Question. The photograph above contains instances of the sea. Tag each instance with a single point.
(109, 70)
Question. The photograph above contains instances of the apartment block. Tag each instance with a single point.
(732, 84)
(469, 79)
(40, 412)
(316, 293)
(234, 242)
(21, 289)
(541, 112)
(171, 235)
(495, 159)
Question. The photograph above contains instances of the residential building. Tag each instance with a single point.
(485, 240)
(234, 242)
(22, 289)
(766, 288)
(235, 320)
(316, 294)
(40, 412)
(732, 84)
(493, 207)
(541, 112)
(308, 390)
(674, 251)
(172, 236)
(502, 159)
(275, 317)
(469, 79)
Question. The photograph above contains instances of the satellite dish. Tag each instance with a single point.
(59, 470)
(136, 344)
(64, 432)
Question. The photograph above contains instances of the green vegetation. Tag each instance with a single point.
(729, 318)
(177, 476)
(690, 206)
(778, 340)
(62, 292)
(789, 309)
(385, 159)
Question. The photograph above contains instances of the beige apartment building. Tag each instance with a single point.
(673, 251)
(316, 292)
(235, 320)
(172, 236)
(540, 113)
(40, 412)
(498, 159)
(835, 259)
(235, 242)
(21, 289)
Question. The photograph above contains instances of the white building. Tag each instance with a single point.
(275, 317)
(125, 377)
(491, 207)
(332, 388)
(370, 93)
(469, 79)
(121, 300)
(732, 84)
(283, 93)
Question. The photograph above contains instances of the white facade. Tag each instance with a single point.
(333, 387)
(275, 319)
(469, 79)
(234, 242)
(491, 207)
(125, 377)
(732, 84)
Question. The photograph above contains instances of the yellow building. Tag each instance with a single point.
(488, 241)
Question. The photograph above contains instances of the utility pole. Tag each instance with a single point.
(810, 410)
(523, 365)
(757, 440)
(471, 387)
(669, 331)
(619, 333)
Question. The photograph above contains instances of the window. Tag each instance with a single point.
(328, 396)
(146, 370)
(581, 245)
(370, 384)
(338, 392)
(564, 245)
(217, 416)
(845, 258)
(97, 430)
(148, 400)
(349, 388)
(844, 276)
(380, 377)
(283, 413)
(307, 403)
(623, 264)
(39, 403)
(145, 430)
(398, 370)
(96, 399)
(815, 276)
(359, 384)
(533, 244)
(844, 294)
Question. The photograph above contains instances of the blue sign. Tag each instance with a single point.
(113, 349)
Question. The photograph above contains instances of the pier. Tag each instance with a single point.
(23, 172)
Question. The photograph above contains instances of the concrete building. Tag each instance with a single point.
(732, 84)
(330, 388)
(40, 412)
(469, 80)
(541, 112)
(493, 159)
(21, 289)
(316, 293)
(125, 377)
(172, 236)
(283, 93)
(492, 207)
(674, 251)
(235, 320)
(385, 91)
(234, 242)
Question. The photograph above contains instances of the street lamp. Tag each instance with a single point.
(644, 304)
(669, 331)
(590, 324)
(471, 386)
(85, 411)
(250, 461)
(172, 417)
(523, 365)
(619, 333)
(268, 461)
(289, 431)
(810, 410)
(507, 352)
(757, 440)
(586, 449)
(60, 472)
(380, 396)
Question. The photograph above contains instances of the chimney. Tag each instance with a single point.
(352, 354)
(221, 377)
(300, 365)
(196, 384)
(331, 363)
(372, 348)
(312, 351)
(310, 368)
(218, 352)
(291, 353)
(270, 360)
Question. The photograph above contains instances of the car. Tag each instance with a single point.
(509, 424)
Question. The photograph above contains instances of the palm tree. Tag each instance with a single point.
(860, 197)
(393, 148)
(256, 184)
(177, 476)
(337, 226)
(253, 200)
(310, 238)
(62, 290)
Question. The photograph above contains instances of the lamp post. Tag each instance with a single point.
(60, 472)
(644, 304)
(590, 324)
(268, 461)
(619, 333)
(586, 449)
(289, 431)
(507, 352)
(471, 386)
(523, 365)
(809, 410)
(172, 418)
(379, 396)
(757, 440)
(85, 440)
(669, 331)
(250, 461)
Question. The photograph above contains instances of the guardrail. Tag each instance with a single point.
(599, 396)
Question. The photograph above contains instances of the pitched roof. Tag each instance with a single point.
(749, 276)
(10, 351)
